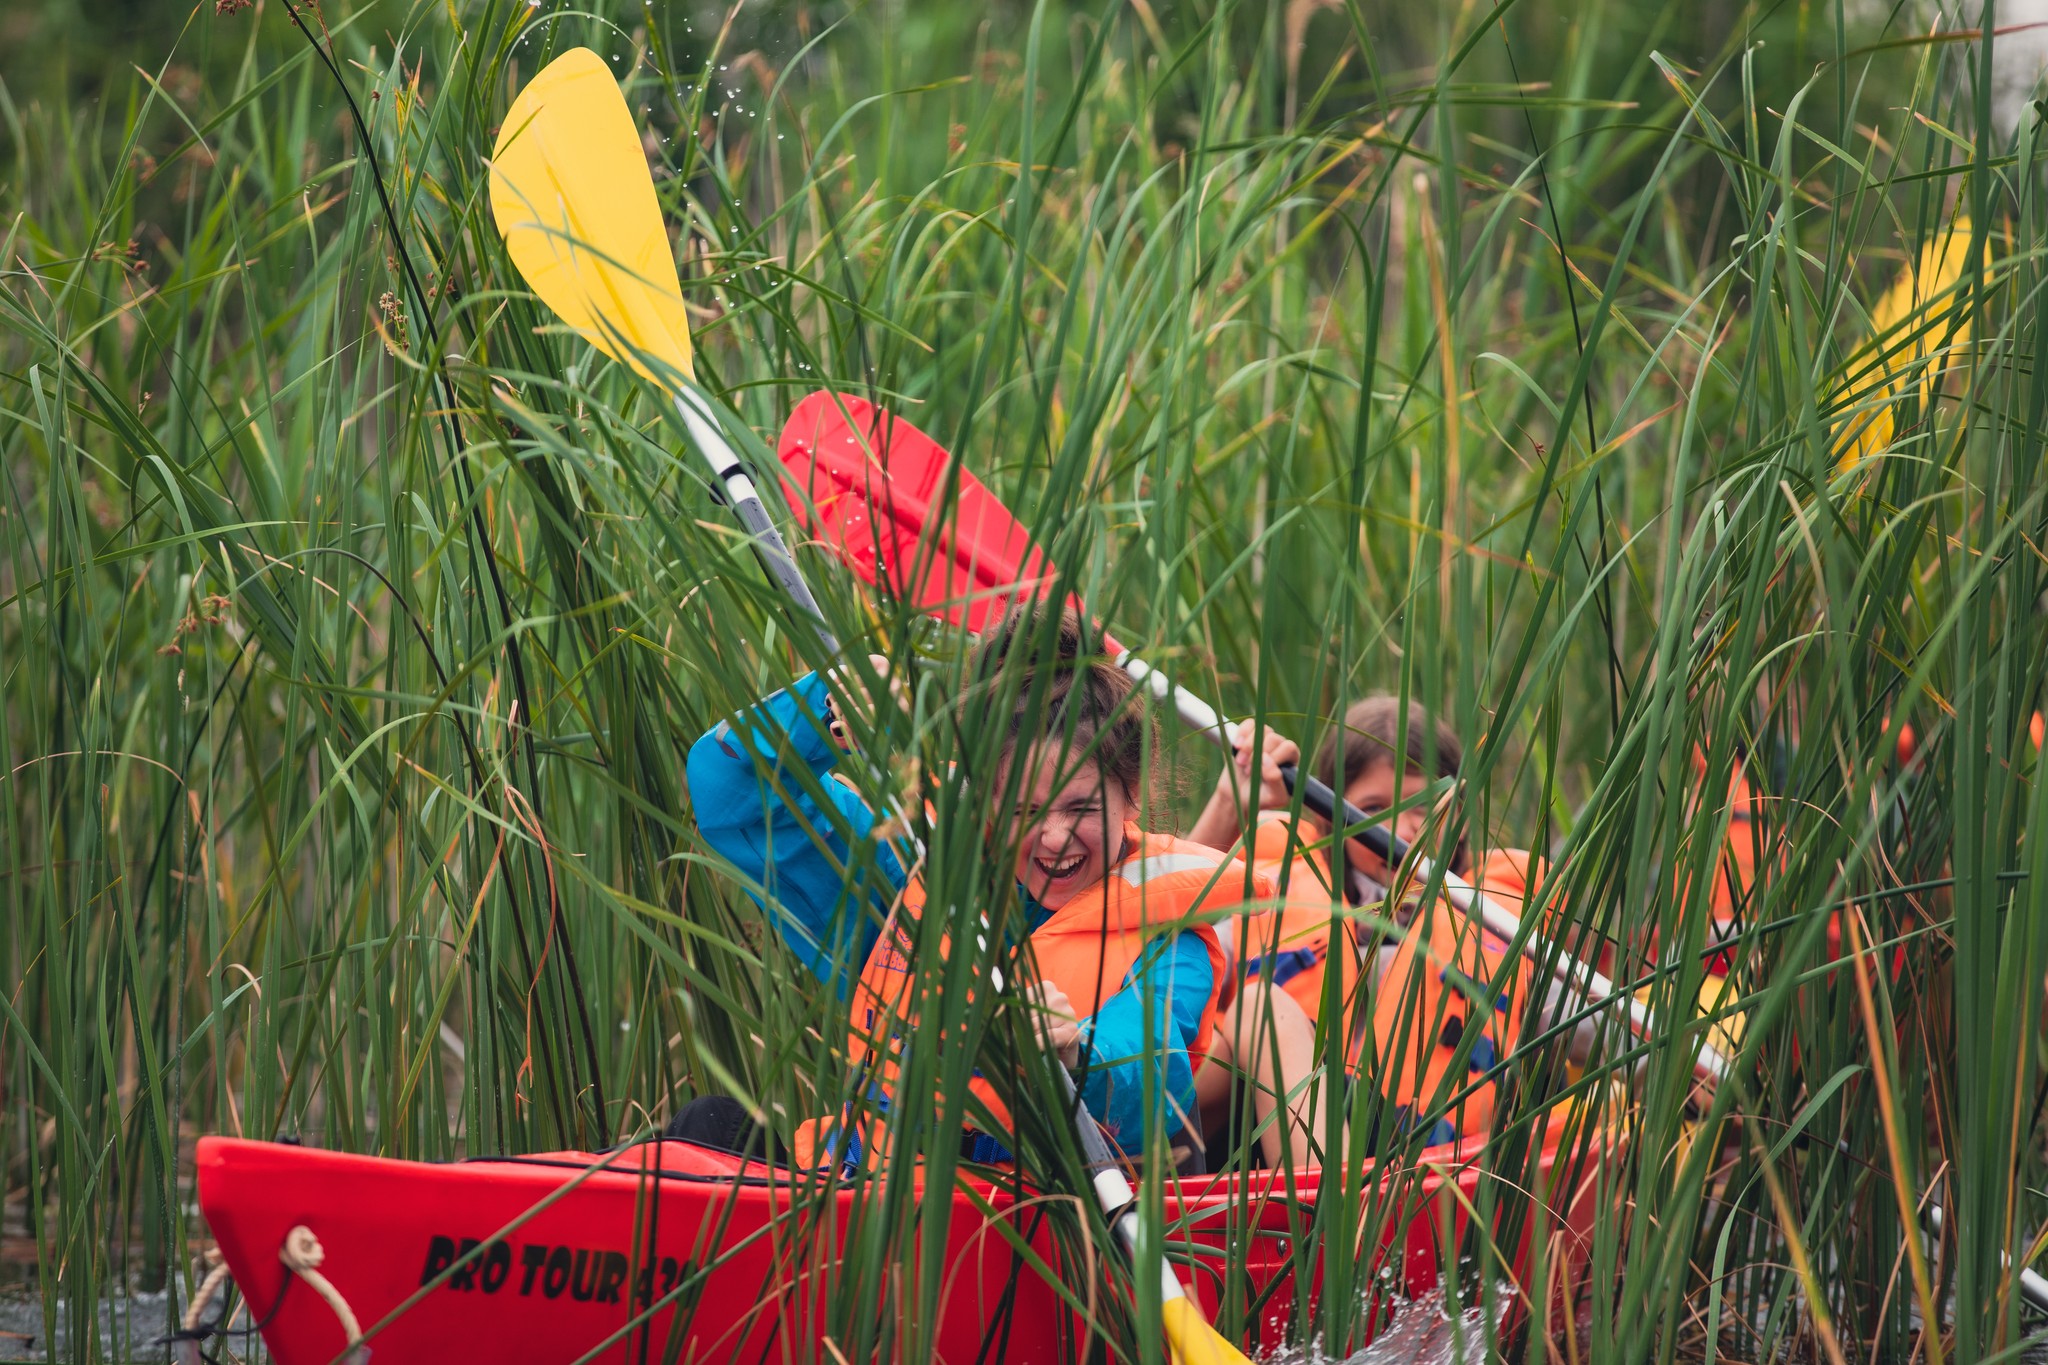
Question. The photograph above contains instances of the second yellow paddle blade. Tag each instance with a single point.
(1192, 1339)
(574, 201)
(1925, 295)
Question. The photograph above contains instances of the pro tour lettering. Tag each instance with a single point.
(556, 1277)
(533, 1259)
(587, 1274)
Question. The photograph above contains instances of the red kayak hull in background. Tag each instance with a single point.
(571, 1248)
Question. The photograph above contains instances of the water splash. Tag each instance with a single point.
(1420, 1332)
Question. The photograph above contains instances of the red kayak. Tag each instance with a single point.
(668, 1251)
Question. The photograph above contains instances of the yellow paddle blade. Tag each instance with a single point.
(1192, 1339)
(1925, 297)
(575, 204)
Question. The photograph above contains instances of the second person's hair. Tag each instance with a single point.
(1373, 733)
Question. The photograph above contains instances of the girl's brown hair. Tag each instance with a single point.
(1083, 700)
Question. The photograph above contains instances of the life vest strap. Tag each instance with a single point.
(980, 1149)
(1286, 966)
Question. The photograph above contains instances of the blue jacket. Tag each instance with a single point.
(825, 881)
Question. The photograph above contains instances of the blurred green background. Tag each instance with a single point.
(1500, 356)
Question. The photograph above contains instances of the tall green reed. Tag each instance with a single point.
(356, 622)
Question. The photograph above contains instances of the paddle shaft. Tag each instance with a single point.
(1119, 1200)
(708, 435)
(1112, 1191)
(1578, 977)
(2033, 1288)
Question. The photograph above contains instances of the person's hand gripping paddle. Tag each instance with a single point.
(913, 522)
(575, 204)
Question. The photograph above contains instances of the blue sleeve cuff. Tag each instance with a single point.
(790, 722)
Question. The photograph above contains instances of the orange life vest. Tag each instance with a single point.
(1086, 948)
(1423, 997)
(1437, 989)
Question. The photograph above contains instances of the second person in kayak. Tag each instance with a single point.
(1413, 1007)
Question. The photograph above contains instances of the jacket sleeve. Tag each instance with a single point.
(765, 797)
(1148, 1028)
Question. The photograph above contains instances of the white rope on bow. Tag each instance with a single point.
(302, 1254)
(185, 1345)
(216, 1276)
